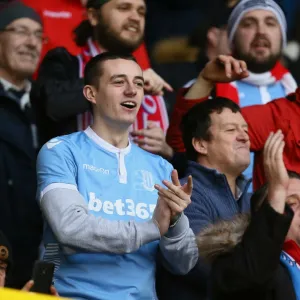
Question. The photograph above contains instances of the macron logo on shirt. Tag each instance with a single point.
(95, 169)
(52, 143)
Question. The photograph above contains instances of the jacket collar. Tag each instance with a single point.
(213, 175)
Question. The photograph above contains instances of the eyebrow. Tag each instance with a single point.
(124, 76)
(234, 124)
(26, 28)
(250, 18)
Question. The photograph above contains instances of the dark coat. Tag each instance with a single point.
(245, 256)
(212, 200)
(20, 217)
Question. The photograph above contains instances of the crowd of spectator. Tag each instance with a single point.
(150, 149)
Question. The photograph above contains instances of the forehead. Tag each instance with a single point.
(26, 22)
(259, 14)
(227, 116)
(137, 3)
(121, 66)
(294, 186)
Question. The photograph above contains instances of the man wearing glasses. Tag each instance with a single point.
(21, 39)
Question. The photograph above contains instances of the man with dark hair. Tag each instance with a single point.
(98, 194)
(112, 25)
(216, 138)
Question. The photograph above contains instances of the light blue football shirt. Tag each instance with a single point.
(117, 184)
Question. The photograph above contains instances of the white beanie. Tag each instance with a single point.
(245, 6)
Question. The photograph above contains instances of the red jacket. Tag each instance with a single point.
(283, 113)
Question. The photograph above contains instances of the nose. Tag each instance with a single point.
(130, 90)
(243, 136)
(33, 41)
(135, 16)
(261, 27)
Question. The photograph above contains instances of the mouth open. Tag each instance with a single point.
(129, 104)
(261, 44)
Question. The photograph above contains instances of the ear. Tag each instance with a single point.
(89, 93)
(92, 16)
(200, 146)
(213, 34)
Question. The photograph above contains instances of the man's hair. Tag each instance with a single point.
(85, 30)
(196, 123)
(93, 69)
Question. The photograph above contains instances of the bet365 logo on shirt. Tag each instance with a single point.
(121, 207)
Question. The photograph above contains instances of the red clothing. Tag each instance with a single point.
(292, 249)
(281, 114)
(60, 18)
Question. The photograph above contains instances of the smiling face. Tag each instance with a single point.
(119, 93)
(228, 148)
(119, 25)
(258, 40)
(20, 48)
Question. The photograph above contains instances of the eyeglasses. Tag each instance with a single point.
(25, 33)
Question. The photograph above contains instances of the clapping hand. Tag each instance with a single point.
(275, 171)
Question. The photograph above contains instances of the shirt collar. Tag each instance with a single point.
(8, 85)
(105, 145)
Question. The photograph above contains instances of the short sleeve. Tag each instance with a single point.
(56, 167)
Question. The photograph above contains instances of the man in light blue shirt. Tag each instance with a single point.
(98, 193)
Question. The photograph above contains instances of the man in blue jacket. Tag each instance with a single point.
(217, 146)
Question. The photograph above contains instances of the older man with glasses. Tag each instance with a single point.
(21, 40)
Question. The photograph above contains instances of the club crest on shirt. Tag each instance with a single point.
(144, 181)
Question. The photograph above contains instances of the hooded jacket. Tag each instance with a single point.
(245, 256)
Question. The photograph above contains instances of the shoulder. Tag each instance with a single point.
(62, 145)
(154, 159)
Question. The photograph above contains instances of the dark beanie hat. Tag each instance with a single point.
(5, 250)
(14, 10)
(96, 3)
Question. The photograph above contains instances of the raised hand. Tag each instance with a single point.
(224, 69)
(152, 139)
(275, 171)
(154, 84)
(221, 69)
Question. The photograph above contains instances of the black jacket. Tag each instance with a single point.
(212, 200)
(20, 217)
(245, 257)
(57, 95)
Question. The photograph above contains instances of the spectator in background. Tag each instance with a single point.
(257, 35)
(97, 193)
(280, 113)
(60, 18)
(246, 254)
(112, 26)
(21, 39)
(216, 138)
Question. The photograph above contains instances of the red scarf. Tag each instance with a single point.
(293, 250)
(153, 107)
